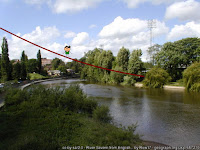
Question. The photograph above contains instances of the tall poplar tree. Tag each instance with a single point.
(23, 66)
(135, 65)
(121, 64)
(17, 71)
(123, 58)
(39, 62)
(5, 62)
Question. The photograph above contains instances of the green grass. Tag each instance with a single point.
(50, 118)
(177, 83)
(34, 76)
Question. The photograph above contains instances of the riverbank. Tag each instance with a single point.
(39, 81)
(28, 83)
(140, 85)
(137, 96)
(48, 118)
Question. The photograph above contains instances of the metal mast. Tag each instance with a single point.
(151, 25)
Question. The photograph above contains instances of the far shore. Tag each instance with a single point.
(152, 144)
(140, 85)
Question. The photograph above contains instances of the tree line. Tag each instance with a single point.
(18, 70)
(124, 61)
(169, 59)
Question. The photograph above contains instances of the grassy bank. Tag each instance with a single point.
(35, 76)
(43, 118)
(177, 83)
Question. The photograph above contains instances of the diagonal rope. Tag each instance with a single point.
(69, 57)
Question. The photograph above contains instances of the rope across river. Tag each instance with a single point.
(68, 57)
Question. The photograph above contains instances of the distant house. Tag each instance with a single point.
(46, 61)
(70, 71)
(54, 73)
(15, 61)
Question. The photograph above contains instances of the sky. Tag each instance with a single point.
(87, 24)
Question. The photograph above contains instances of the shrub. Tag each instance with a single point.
(191, 77)
(35, 119)
(102, 114)
(88, 106)
(156, 78)
(117, 77)
(128, 80)
(15, 97)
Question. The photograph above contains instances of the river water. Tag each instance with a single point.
(170, 117)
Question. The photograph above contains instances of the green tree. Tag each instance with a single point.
(17, 71)
(23, 66)
(62, 68)
(39, 62)
(135, 66)
(191, 77)
(74, 65)
(156, 78)
(123, 58)
(56, 62)
(117, 77)
(32, 66)
(176, 56)
(6, 71)
(120, 64)
(89, 72)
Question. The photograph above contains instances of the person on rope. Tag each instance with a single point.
(67, 49)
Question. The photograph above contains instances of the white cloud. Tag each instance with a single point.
(131, 33)
(186, 10)
(71, 6)
(190, 29)
(70, 34)
(77, 51)
(80, 38)
(120, 27)
(43, 37)
(65, 6)
(135, 3)
(92, 26)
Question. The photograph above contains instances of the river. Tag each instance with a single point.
(170, 117)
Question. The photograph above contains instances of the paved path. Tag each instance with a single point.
(34, 82)
(39, 81)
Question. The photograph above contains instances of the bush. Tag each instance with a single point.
(15, 97)
(191, 77)
(128, 81)
(156, 78)
(117, 77)
(50, 118)
(102, 114)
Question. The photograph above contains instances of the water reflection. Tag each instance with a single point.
(167, 116)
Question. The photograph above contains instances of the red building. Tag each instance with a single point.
(46, 61)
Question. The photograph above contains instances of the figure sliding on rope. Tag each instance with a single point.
(67, 50)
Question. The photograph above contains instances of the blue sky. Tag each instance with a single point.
(86, 24)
